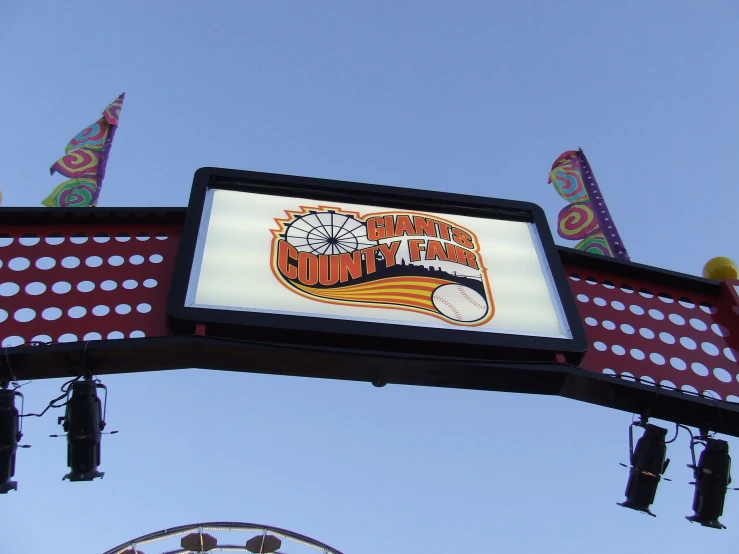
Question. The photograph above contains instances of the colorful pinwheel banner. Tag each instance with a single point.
(84, 162)
(586, 218)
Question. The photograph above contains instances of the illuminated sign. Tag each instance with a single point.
(320, 256)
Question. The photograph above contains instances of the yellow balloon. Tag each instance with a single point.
(720, 268)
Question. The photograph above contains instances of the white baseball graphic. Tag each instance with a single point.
(460, 303)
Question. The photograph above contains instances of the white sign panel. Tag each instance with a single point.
(303, 257)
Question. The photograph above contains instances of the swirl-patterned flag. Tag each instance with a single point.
(78, 163)
(75, 193)
(85, 161)
(587, 218)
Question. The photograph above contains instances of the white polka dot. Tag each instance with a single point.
(93, 336)
(588, 320)
(699, 369)
(658, 359)
(42, 339)
(85, 286)
(628, 329)
(666, 298)
(116, 335)
(686, 303)
(54, 240)
(628, 376)
(100, 310)
(732, 398)
(136, 260)
(137, 334)
(3, 315)
(656, 314)
(94, 261)
(151, 283)
(115, 261)
(29, 240)
(647, 380)
(24, 315)
(574, 277)
(646, 293)
(123, 309)
(9, 289)
(609, 285)
(618, 350)
(123, 237)
(156, 258)
(600, 346)
(130, 284)
(598, 301)
(618, 305)
(646, 333)
(698, 324)
(583, 298)
(609, 325)
(666, 383)
(712, 394)
(76, 312)
(720, 330)
(13, 341)
(62, 287)
(627, 289)
(636, 310)
(730, 353)
(708, 308)
(710, 348)
(637, 354)
(35, 288)
(667, 338)
(591, 280)
(78, 238)
(70, 262)
(108, 285)
(101, 238)
(678, 364)
(677, 319)
(143, 308)
(19, 264)
(45, 263)
(68, 337)
(51, 314)
(722, 375)
(689, 389)
(688, 343)
(5, 241)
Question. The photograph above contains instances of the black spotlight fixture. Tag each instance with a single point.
(712, 476)
(648, 463)
(84, 422)
(10, 435)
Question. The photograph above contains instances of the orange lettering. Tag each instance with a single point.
(463, 238)
(415, 247)
(307, 268)
(286, 252)
(328, 270)
(375, 229)
(350, 265)
(435, 251)
(467, 258)
(388, 252)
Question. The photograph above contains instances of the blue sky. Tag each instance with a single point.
(474, 97)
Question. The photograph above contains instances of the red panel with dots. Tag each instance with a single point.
(68, 283)
(104, 281)
(658, 335)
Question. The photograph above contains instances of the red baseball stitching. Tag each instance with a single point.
(460, 288)
(450, 305)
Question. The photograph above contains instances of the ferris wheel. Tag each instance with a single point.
(327, 232)
(200, 538)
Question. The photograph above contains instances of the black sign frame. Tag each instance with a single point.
(318, 332)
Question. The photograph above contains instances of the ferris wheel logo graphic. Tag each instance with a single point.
(326, 233)
(390, 260)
